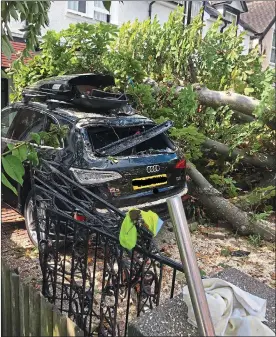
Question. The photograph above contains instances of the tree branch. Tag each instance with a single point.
(259, 160)
(212, 199)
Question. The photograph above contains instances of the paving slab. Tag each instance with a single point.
(170, 318)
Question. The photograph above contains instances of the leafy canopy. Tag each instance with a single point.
(33, 12)
(171, 54)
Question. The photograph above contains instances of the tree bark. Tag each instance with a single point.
(212, 199)
(259, 160)
(235, 101)
(212, 98)
(243, 118)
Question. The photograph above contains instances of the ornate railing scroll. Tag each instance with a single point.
(86, 273)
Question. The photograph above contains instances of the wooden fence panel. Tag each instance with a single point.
(25, 312)
(73, 330)
(15, 316)
(34, 312)
(6, 301)
(59, 324)
(24, 309)
(46, 317)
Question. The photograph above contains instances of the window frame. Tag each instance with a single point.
(194, 4)
(8, 109)
(45, 114)
(20, 111)
(90, 7)
(232, 14)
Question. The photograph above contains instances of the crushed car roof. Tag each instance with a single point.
(76, 115)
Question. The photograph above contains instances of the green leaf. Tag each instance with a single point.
(13, 13)
(33, 158)
(247, 91)
(10, 146)
(35, 137)
(20, 7)
(6, 48)
(6, 182)
(21, 152)
(107, 5)
(14, 168)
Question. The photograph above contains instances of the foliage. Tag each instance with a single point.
(226, 184)
(257, 198)
(173, 55)
(78, 49)
(164, 105)
(33, 12)
(13, 159)
(255, 240)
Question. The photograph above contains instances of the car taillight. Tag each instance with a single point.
(181, 164)
(78, 216)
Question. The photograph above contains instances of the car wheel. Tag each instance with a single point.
(29, 217)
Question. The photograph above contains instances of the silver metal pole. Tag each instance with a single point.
(188, 258)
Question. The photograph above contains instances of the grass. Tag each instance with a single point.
(255, 240)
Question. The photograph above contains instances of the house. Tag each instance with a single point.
(63, 13)
(261, 18)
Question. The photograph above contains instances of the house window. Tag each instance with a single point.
(100, 13)
(78, 6)
(230, 17)
(273, 49)
(92, 9)
(196, 6)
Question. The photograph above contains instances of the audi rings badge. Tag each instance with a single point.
(153, 169)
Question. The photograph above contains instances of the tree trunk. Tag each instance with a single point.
(235, 101)
(259, 160)
(215, 99)
(212, 199)
(243, 118)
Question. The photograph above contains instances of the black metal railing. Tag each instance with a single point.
(86, 272)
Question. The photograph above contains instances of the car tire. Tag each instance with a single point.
(29, 217)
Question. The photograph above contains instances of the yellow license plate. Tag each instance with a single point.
(148, 182)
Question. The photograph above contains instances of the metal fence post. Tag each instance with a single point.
(188, 258)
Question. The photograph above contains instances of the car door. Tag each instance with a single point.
(18, 128)
(7, 116)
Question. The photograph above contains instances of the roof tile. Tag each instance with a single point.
(18, 48)
(260, 14)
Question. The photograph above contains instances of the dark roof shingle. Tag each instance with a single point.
(260, 15)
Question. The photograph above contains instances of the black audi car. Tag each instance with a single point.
(125, 158)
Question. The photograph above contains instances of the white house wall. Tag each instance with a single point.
(267, 47)
(162, 10)
(60, 18)
(246, 39)
(132, 10)
(208, 21)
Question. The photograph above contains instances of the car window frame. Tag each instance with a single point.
(58, 123)
(30, 108)
(10, 108)
(43, 112)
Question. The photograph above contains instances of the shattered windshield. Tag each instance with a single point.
(103, 136)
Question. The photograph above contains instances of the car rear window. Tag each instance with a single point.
(103, 136)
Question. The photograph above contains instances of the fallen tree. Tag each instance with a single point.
(260, 160)
(214, 124)
(212, 199)
(246, 105)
